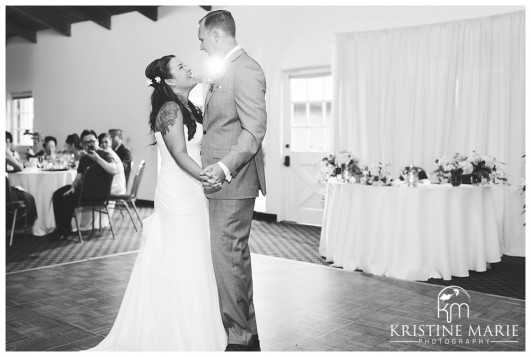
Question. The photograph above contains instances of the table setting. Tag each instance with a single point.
(41, 177)
(419, 225)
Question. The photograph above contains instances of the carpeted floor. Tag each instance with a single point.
(284, 240)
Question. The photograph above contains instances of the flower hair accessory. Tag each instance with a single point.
(149, 82)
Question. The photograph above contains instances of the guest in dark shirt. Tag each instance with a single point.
(66, 198)
(124, 153)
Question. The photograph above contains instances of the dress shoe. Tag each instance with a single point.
(254, 346)
(58, 236)
(232, 347)
(255, 343)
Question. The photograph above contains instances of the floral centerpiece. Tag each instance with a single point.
(377, 174)
(37, 139)
(457, 164)
(343, 165)
(474, 166)
(487, 168)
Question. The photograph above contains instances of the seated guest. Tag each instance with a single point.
(13, 163)
(19, 194)
(65, 199)
(49, 148)
(73, 146)
(118, 181)
(123, 151)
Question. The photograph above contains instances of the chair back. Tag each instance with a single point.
(9, 197)
(95, 186)
(129, 183)
(138, 177)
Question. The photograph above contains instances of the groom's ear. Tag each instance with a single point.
(216, 33)
(170, 82)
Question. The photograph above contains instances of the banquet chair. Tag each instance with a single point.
(128, 184)
(123, 201)
(15, 208)
(94, 195)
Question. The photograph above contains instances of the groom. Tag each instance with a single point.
(234, 126)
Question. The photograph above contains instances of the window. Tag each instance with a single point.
(20, 117)
(311, 105)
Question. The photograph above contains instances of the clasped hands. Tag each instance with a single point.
(212, 177)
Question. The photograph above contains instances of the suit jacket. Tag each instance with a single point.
(234, 126)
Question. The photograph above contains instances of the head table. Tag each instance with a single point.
(42, 184)
(432, 231)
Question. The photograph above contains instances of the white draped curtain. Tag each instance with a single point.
(410, 95)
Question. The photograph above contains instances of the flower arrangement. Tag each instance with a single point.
(37, 139)
(343, 163)
(475, 164)
(446, 165)
(377, 174)
(486, 166)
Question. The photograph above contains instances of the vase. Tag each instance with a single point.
(345, 173)
(456, 177)
(475, 179)
(466, 179)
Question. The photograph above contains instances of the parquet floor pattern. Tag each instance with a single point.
(299, 307)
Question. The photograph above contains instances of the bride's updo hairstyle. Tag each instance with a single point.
(156, 72)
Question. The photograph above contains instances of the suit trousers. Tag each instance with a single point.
(63, 208)
(230, 225)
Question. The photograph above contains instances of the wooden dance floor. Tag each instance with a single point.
(299, 307)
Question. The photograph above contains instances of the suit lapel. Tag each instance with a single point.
(231, 59)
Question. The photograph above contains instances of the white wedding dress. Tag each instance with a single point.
(171, 301)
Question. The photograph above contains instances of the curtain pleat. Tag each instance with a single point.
(410, 95)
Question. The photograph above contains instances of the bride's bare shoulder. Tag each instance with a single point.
(168, 115)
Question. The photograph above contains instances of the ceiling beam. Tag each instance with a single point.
(95, 14)
(36, 14)
(19, 30)
(151, 12)
(206, 8)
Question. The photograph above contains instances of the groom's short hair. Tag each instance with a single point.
(221, 19)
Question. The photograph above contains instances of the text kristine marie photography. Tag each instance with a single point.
(453, 308)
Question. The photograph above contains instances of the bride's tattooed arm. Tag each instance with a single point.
(167, 117)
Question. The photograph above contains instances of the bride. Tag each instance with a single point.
(171, 301)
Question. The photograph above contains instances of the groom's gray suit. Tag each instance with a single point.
(234, 126)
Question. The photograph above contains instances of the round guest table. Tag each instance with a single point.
(42, 185)
(432, 231)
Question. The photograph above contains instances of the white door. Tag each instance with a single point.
(307, 138)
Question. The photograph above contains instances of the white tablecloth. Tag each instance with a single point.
(509, 206)
(42, 185)
(410, 233)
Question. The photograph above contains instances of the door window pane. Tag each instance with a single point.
(316, 114)
(310, 99)
(299, 90)
(299, 114)
(328, 113)
(316, 139)
(315, 88)
(299, 141)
